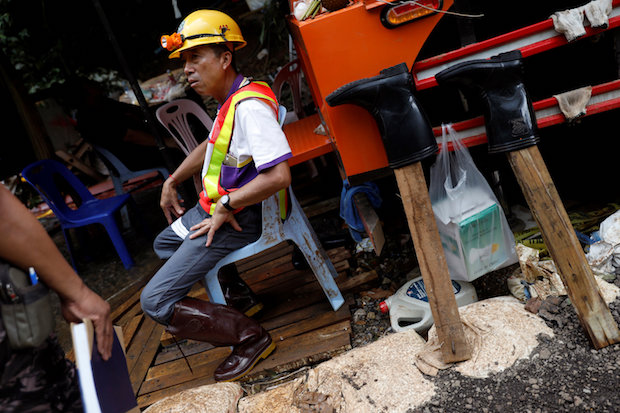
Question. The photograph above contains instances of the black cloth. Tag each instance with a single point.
(37, 380)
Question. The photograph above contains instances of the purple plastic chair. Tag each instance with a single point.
(174, 117)
(49, 176)
(291, 74)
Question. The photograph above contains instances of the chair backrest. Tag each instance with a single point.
(174, 117)
(114, 165)
(291, 74)
(54, 181)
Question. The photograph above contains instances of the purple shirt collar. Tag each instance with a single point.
(233, 89)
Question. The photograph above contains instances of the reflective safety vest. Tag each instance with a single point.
(220, 141)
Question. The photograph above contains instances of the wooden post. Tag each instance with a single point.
(559, 235)
(371, 222)
(432, 261)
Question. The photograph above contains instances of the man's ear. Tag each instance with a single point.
(226, 59)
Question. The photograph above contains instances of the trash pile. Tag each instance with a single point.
(537, 276)
(604, 255)
(163, 88)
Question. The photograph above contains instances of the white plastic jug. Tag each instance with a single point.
(409, 308)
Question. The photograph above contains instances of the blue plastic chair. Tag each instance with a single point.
(49, 176)
(120, 173)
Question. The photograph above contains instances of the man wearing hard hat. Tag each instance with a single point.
(242, 163)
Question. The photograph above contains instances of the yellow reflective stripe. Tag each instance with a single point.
(244, 163)
(211, 179)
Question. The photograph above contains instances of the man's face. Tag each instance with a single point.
(204, 70)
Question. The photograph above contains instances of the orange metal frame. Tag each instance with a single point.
(349, 44)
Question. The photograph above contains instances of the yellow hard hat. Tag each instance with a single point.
(203, 27)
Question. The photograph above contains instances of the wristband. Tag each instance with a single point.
(173, 179)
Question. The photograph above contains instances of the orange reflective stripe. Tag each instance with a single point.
(221, 136)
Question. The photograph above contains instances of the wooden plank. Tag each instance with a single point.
(173, 372)
(142, 351)
(77, 163)
(318, 321)
(338, 254)
(172, 352)
(254, 267)
(322, 207)
(264, 257)
(344, 283)
(129, 314)
(293, 281)
(128, 297)
(146, 359)
(370, 220)
(131, 328)
(292, 275)
(292, 303)
(282, 326)
(564, 247)
(182, 375)
(342, 266)
(267, 271)
(307, 348)
(432, 262)
(300, 323)
(124, 304)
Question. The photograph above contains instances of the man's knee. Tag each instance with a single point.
(152, 306)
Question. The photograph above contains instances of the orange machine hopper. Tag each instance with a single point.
(349, 44)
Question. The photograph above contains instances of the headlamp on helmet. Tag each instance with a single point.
(171, 42)
(175, 40)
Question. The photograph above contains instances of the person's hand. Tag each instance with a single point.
(169, 201)
(212, 224)
(90, 305)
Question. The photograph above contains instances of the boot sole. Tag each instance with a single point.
(253, 310)
(263, 355)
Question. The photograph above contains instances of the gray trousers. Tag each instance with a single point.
(188, 260)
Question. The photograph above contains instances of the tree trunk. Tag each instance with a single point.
(33, 124)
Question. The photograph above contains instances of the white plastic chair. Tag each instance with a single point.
(297, 229)
(173, 116)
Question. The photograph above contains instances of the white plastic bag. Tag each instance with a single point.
(474, 232)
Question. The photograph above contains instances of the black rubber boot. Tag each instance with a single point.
(406, 132)
(237, 293)
(509, 117)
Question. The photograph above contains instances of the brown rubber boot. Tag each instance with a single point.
(222, 325)
(237, 293)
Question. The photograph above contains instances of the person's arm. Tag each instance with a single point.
(191, 165)
(266, 183)
(25, 243)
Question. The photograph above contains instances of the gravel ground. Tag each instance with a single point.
(563, 374)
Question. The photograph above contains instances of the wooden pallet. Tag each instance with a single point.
(297, 315)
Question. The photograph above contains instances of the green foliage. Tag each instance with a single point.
(39, 70)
